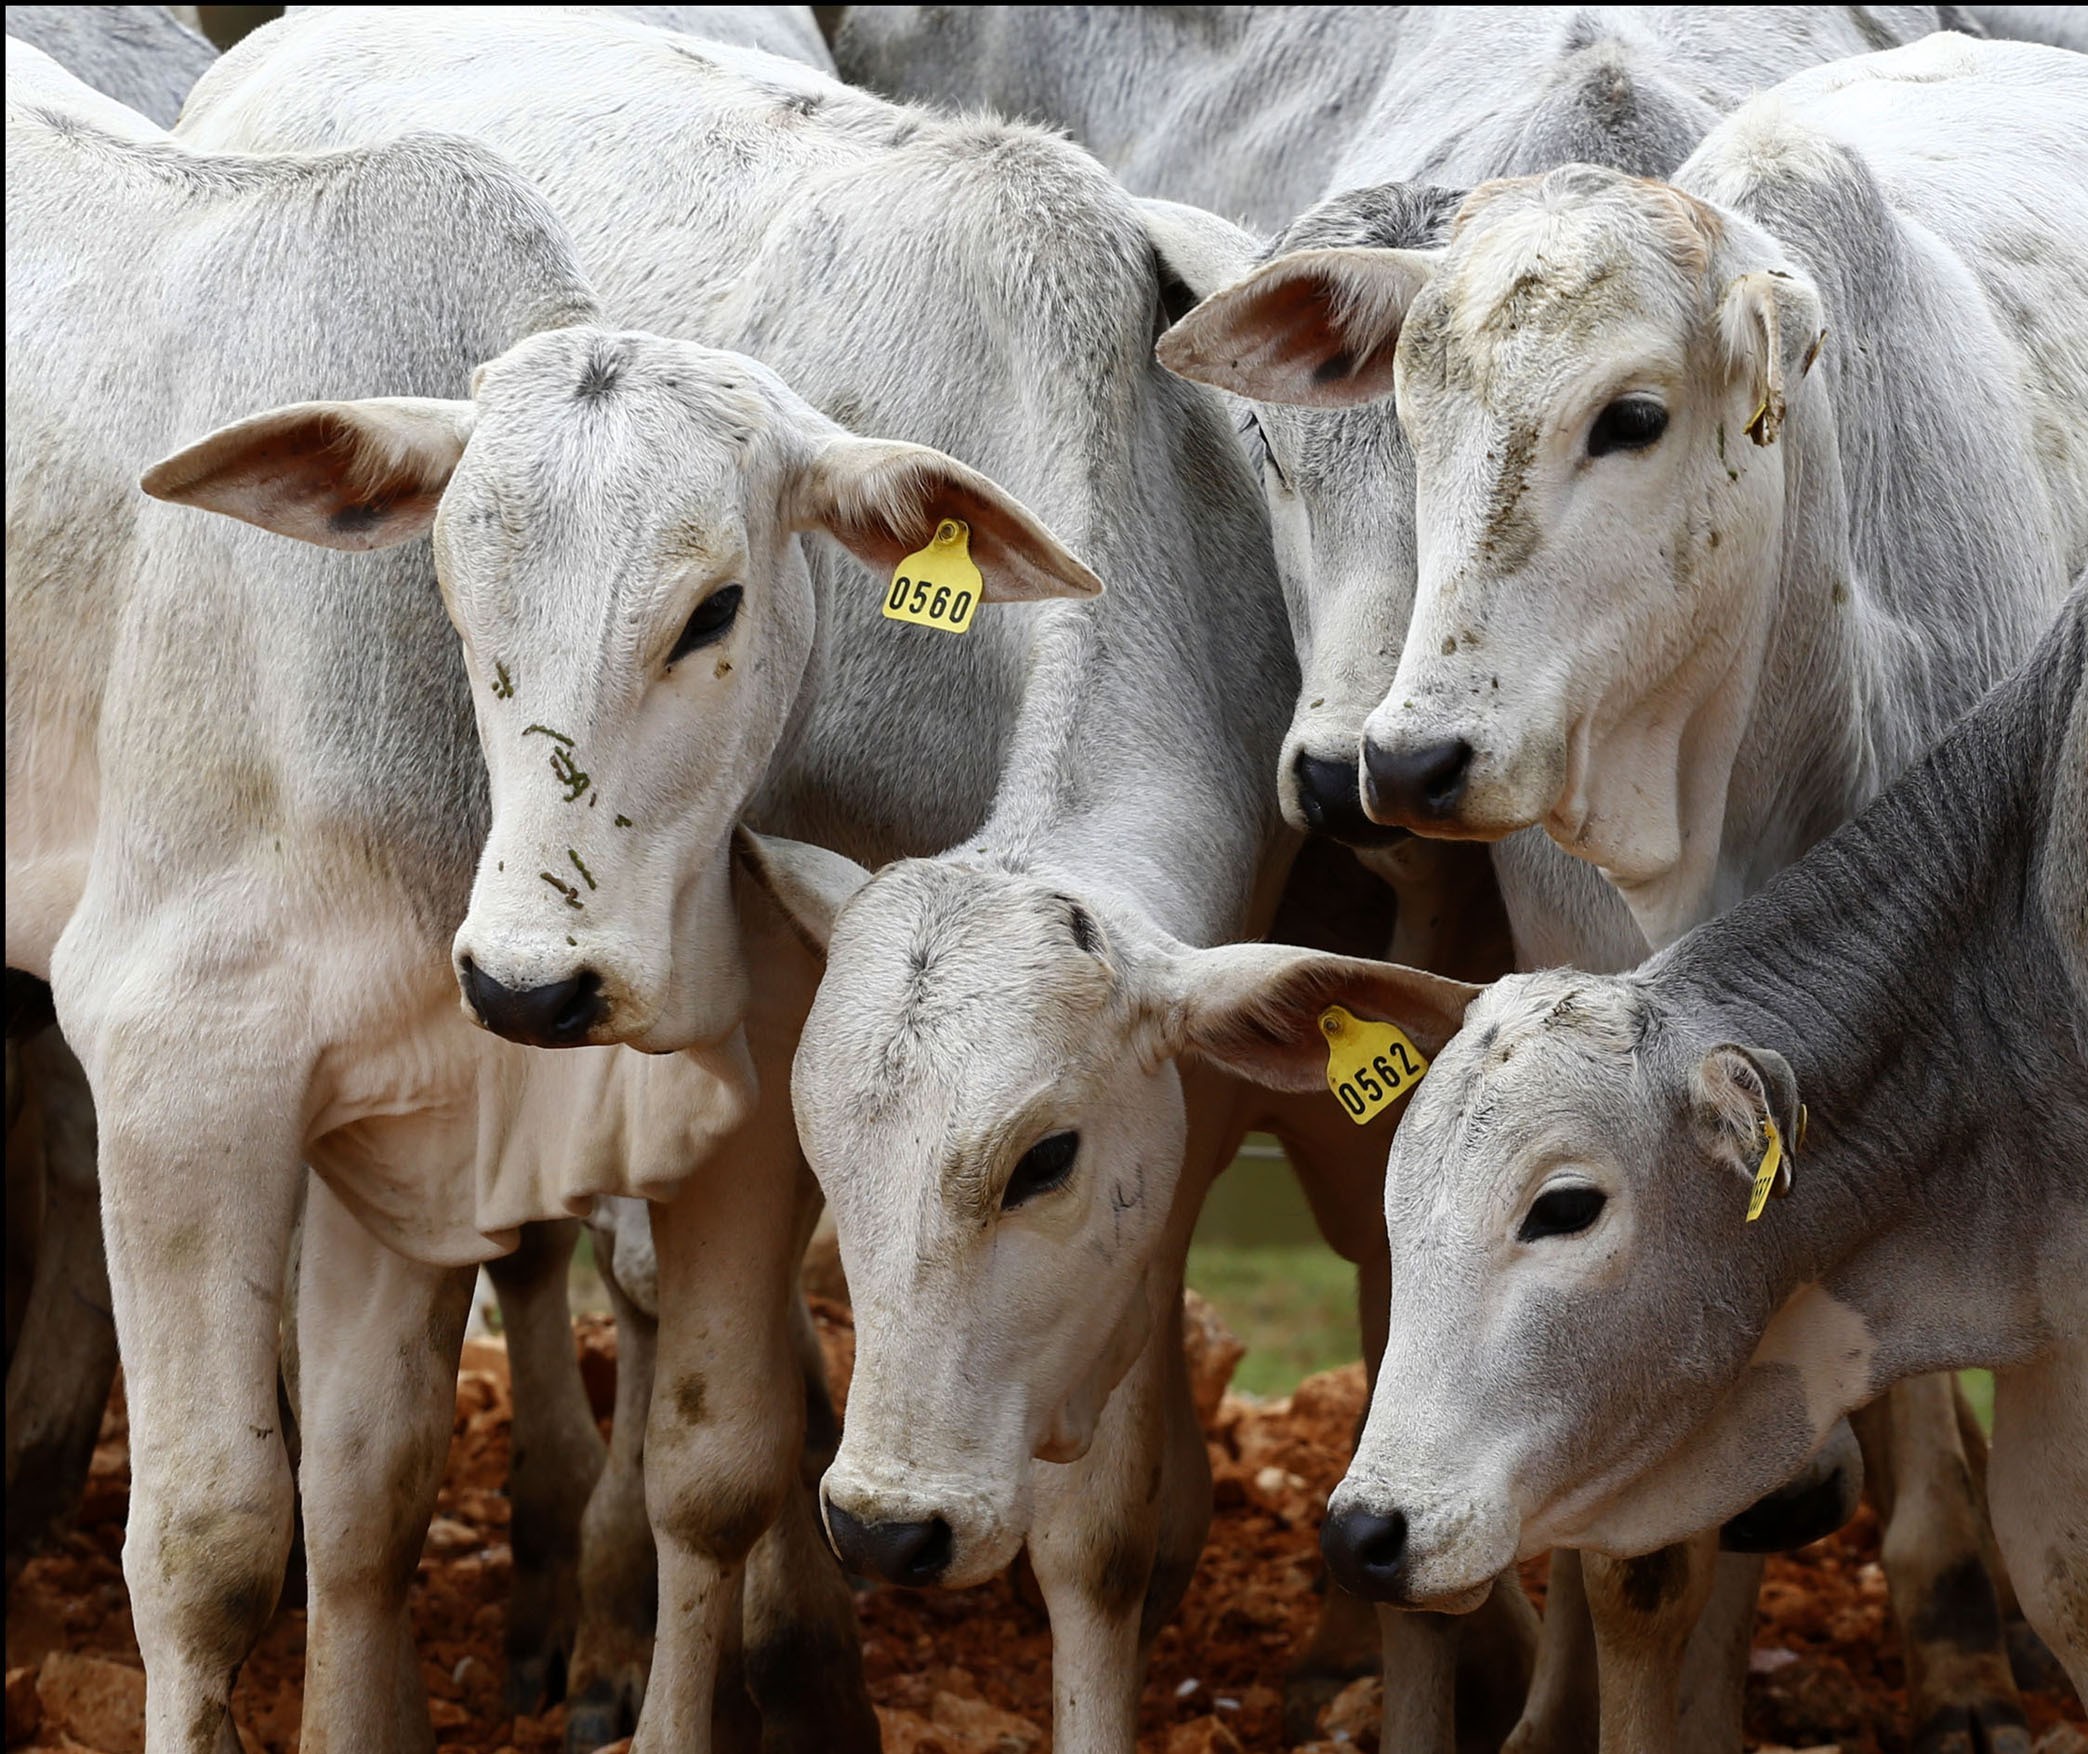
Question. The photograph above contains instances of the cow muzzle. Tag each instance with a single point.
(1387, 1553)
(922, 1535)
(557, 1014)
(1329, 799)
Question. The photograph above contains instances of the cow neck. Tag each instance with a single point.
(1139, 766)
(1908, 972)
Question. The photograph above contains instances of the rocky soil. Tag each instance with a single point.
(952, 1673)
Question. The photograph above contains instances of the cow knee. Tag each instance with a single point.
(204, 1555)
(718, 1459)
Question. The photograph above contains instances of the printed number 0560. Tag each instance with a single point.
(920, 596)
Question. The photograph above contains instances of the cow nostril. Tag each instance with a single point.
(929, 1554)
(558, 1015)
(1366, 1552)
(1330, 797)
(912, 1554)
(583, 1010)
(1416, 785)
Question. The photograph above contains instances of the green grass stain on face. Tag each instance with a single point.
(569, 774)
(546, 731)
(572, 895)
(623, 821)
(581, 867)
(503, 683)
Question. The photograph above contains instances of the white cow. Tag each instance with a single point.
(1459, 94)
(1608, 1328)
(1778, 629)
(242, 785)
(1241, 110)
(142, 56)
(878, 254)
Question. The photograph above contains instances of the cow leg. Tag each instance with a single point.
(1961, 1696)
(802, 1654)
(1113, 1539)
(380, 1337)
(1560, 1713)
(200, 1173)
(1350, 1638)
(1644, 1611)
(619, 1570)
(727, 1416)
(1450, 1680)
(2029, 1660)
(554, 1462)
(65, 1358)
(2037, 1482)
(1714, 1665)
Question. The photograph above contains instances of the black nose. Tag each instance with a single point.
(1416, 786)
(1366, 1553)
(557, 1016)
(914, 1554)
(1331, 795)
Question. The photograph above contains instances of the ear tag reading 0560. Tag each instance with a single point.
(937, 586)
(1370, 1066)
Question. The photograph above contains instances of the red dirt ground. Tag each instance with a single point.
(953, 1674)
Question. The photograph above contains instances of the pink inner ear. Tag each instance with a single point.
(1278, 339)
(310, 473)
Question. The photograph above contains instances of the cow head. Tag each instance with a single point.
(989, 1090)
(1337, 474)
(1596, 375)
(1576, 1296)
(615, 520)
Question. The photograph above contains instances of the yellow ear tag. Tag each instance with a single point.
(937, 586)
(1370, 1066)
(1765, 1177)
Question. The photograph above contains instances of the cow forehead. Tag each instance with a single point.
(1571, 256)
(1534, 1049)
(569, 412)
(961, 986)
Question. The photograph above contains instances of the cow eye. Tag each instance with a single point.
(1562, 1212)
(1044, 1166)
(710, 622)
(1630, 423)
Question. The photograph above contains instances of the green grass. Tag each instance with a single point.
(1294, 1308)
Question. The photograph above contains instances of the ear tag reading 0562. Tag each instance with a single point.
(1370, 1066)
(937, 586)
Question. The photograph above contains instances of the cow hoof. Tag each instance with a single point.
(535, 1680)
(1993, 1726)
(603, 1714)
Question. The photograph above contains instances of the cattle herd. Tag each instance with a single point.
(1539, 543)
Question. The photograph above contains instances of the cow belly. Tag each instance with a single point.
(482, 1136)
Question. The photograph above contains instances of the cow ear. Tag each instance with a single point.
(1738, 1089)
(882, 500)
(351, 475)
(1255, 1009)
(809, 885)
(1316, 328)
(1773, 328)
(1195, 253)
